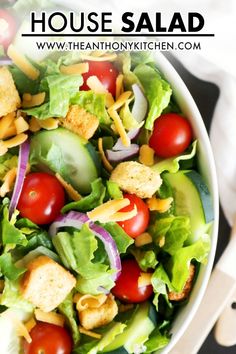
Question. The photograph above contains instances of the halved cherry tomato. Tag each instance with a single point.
(126, 288)
(105, 72)
(42, 198)
(138, 224)
(172, 135)
(8, 28)
(48, 339)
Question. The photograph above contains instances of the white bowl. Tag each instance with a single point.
(208, 171)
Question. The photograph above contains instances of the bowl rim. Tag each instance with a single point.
(181, 91)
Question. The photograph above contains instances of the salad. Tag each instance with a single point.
(105, 217)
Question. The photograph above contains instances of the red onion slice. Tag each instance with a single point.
(117, 156)
(132, 134)
(140, 106)
(76, 219)
(21, 171)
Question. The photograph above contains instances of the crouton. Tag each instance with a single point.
(97, 317)
(135, 178)
(46, 283)
(173, 296)
(9, 97)
(81, 122)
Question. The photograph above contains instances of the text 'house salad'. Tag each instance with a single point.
(104, 215)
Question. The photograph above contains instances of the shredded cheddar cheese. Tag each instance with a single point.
(122, 216)
(8, 183)
(146, 155)
(49, 123)
(144, 279)
(21, 125)
(109, 100)
(119, 85)
(36, 100)
(79, 68)
(105, 57)
(5, 123)
(95, 84)
(50, 317)
(107, 209)
(22, 63)
(143, 239)
(119, 127)
(161, 241)
(89, 333)
(160, 205)
(105, 161)
(34, 125)
(30, 324)
(121, 100)
(72, 193)
(11, 131)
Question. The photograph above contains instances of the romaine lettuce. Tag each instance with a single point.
(91, 201)
(67, 309)
(172, 164)
(174, 229)
(157, 91)
(94, 103)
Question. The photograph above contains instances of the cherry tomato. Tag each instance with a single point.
(126, 288)
(8, 28)
(42, 198)
(48, 339)
(105, 72)
(172, 135)
(138, 224)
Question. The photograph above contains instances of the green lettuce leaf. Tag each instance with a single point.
(114, 190)
(67, 309)
(172, 164)
(23, 82)
(160, 279)
(143, 57)
(61, 89)
(127, 118)
(178, 265)
(78, 252)
(156, 341)
(108, 337)
(122, 240)
(94, 103)
(10, 235)
(8, 268)
(174, 229)
(91, 201)
(85, 347)
(85, 244)
(96, 285)
(12, 298)
(161, 283)
(157, 91)
(124, 65)
(146, 259)
(7, 162)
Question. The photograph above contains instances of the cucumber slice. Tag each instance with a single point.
(192, 198)
(66, 153)
(136, 333)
